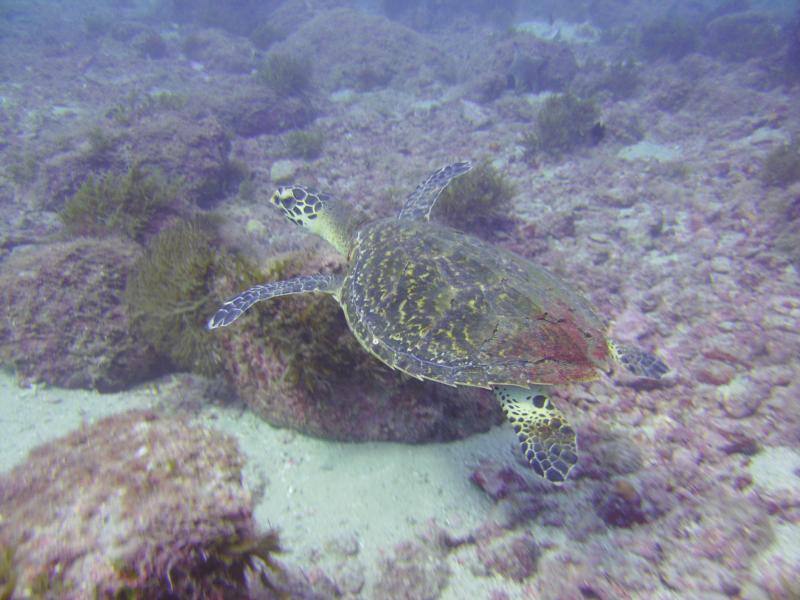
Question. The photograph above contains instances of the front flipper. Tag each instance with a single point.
(419, 203)
(546, 437)
(233, 308)
(637, 361)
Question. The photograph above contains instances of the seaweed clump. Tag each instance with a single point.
(563, 123)
(117, 204)
(8, 575)
(289, 74)
(169, 295)
(266, 34)
(311, 336)
(304, 144)
(782, 165)
(479, 202)
(618, 79)
(225, 568)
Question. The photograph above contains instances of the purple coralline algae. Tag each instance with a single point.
(417, 570)
(63, 322)
(138, 505)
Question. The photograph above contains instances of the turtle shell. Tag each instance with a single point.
(439, 304)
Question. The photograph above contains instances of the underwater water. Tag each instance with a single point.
(643, 160)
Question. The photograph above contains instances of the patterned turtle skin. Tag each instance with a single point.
(439, 304)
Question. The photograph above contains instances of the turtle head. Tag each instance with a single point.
(322, 214)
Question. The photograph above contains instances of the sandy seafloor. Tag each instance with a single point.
(318, 493)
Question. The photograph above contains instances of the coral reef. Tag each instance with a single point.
(168, 295)
(295, 362)
(367, 52)
(100, 147)
(563, 123)
(741, 36)
(142, 507)
(266, 34)
(515, 557)
(523, 63)
(194, 148)
(619, 79)
(668, 37)
(792, 57)
(478, 202)
(306, 144)
(687, 241)
(234, 16)
(782, 165)
(150, 44)
(498, 481)
(286, 74)
(620, 505)
(417, 570)
(253, 110)
(191, 150)
(218, 52)
(63, 322)
(137, 105)
(117, 204)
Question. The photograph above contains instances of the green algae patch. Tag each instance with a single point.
(117, 204)
(478, 202)
(169, 294)
(564, 123)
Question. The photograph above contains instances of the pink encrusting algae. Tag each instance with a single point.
(652, 162)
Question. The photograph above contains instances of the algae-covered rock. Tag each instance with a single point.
(282, 171)
(480, 202)
(117, 205)
(193, 148)
(563, 123)
(163, 133)
(741, 36)
(366, 52)
(524, 64)
(256, 109)
(63, 321)
(134, 506)
(169, 295)
(296, 363)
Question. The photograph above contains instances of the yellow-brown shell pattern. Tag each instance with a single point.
(441, 305)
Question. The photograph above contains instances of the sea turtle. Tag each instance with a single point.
(439, 304)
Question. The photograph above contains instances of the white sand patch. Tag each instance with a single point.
(776, 473)
(787, 542)
(579, 33)
(646, 150)
(32, 416)
(319, 491)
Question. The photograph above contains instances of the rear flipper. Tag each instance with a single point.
(637, 361)
(546, 437)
